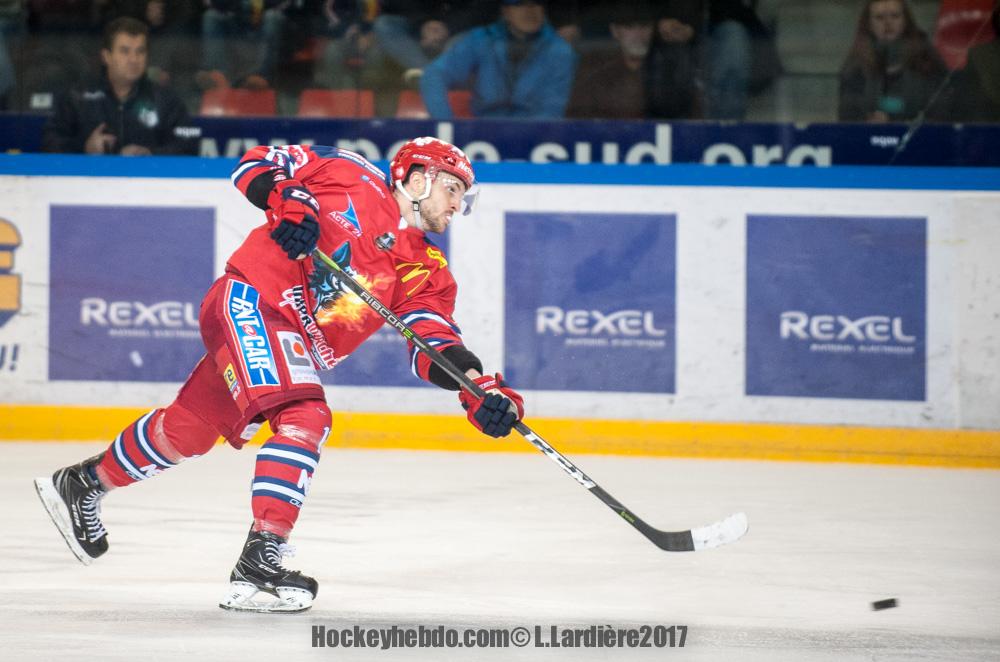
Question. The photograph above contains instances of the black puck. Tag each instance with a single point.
(889, 603)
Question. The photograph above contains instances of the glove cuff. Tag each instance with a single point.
(488, 382)
(291, 189)
(276, 196)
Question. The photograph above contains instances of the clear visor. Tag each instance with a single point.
(469, 196)
(469, 199)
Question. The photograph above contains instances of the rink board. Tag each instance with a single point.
(791, 313)
(757, 441)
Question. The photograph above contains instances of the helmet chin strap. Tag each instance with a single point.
(416, 201)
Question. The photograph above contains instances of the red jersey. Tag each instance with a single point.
(361, 229)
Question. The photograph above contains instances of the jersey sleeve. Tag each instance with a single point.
(263, 166)
(430, 315)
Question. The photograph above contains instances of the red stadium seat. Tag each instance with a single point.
(411, 106)
(229, 102)
(461, 103)
(961, 24)
(337, 103)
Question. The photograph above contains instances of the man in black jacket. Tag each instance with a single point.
(123, 112)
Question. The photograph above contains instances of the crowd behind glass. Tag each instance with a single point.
(666, 59)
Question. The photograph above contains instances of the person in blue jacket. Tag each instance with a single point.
(516, 67)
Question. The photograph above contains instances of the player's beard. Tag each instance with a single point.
(433, 220)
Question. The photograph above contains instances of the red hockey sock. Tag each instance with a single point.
(285, 464)
(152, 444)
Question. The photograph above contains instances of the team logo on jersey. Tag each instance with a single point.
(242, 307)
(10, 283)
(336, 305)
(347, 219)
(148, 117)
(324, 355)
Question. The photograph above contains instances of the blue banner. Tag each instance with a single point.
(590, 301)
(584, 141)
(836, 307)
(126, 284)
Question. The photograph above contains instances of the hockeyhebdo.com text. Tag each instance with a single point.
(537, 636)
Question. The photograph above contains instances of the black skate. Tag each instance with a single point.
(260, 583)
(72, 496)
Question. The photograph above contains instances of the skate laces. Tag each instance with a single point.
(90, 508)
(275, 552)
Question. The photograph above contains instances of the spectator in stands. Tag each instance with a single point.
(672, 81)
(123, 112)
(565, 17)
(170, 26)
(412, 34)
(62, 37)
(892, 71)
(350, 55)
(610, 83)
(64, 15)
(258, 25)
(977, 98)
(11, 23)
(174, 26)
(518, 67)
(741, 59)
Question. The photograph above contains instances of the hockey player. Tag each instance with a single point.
(274, 318)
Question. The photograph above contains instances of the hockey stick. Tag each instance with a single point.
(726, 531)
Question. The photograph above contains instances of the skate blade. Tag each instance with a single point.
(59, 513)
(243, 596)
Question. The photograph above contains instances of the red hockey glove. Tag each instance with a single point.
(496, 413)
(293, 212)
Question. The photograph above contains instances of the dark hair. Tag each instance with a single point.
(917, 51)
(125, 24)
(632, 13)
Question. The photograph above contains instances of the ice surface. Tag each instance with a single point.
(501, 540)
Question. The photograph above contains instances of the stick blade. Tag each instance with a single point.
(720, 533)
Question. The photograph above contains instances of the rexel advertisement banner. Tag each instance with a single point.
(836, 307)
(126, 284)
(590, 301)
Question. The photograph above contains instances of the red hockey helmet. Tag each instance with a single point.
(435, 155)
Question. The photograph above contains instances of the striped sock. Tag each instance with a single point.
(281, 481)
(133, 456)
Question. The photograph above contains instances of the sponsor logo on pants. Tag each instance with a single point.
(247, 324)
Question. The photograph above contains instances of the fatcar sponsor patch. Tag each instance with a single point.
(242, 303)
